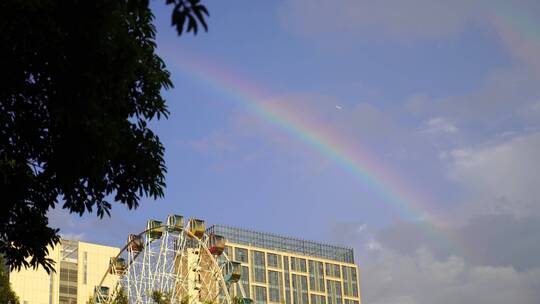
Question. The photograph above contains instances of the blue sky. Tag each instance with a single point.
(445, 93)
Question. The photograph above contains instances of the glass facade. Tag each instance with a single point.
(245, 279)
(274, 260)
(260, 294)
(332, 270)
(287, 280)
(68, 273)
(355, 283)
(298, 264)
(316, 276)
(282, 243)
(334, 292)
(241, 255)
(278, 271)
(68, 283)
(275, 286)
(259, 268)
(350, 283)
(228, 252)
(85, 267)
(299, 289)
(318, 299)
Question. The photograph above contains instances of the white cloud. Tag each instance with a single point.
(487, 240)
(361, 228)
(388, 277)
(502, 176)
(490, 259)
(373, 245)
(439, 125)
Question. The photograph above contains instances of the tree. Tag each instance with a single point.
(79, 82)
(121, 297)
(160, 298)
(7, 295)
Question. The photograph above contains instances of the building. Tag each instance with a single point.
(274, 270)
(278, 269)
(79, 268)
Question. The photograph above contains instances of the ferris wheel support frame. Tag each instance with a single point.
(167, 230)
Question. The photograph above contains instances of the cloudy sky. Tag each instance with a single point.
(408, 130)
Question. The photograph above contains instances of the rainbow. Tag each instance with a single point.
(364, 166)
(517, 26)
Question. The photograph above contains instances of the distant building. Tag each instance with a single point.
(275, 270)
(278, 269)
(79, 268)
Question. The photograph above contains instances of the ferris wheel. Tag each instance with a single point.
(172, 263)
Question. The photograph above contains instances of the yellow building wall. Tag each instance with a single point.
(97, 263)
(33, 286)
(37, 287)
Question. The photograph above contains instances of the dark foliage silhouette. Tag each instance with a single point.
(80, 80)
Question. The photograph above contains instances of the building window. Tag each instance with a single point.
(68, 283)
(304, 291)
(259, 268)
(334, 291)
(85, 267)
(274, 260)
(354, 282)
(316, 276)
(350, 282)
(298, 264)
(299, 289)
(274, 285)
(260, 294)
(244, 279)
(332, 270)
(287, 280)
(346, 281)
(228, 252)
(241, 255)
(318, 299)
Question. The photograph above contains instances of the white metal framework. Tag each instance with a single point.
(175, 263)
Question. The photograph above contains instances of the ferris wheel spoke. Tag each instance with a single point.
(155, 269)
(165, 285)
